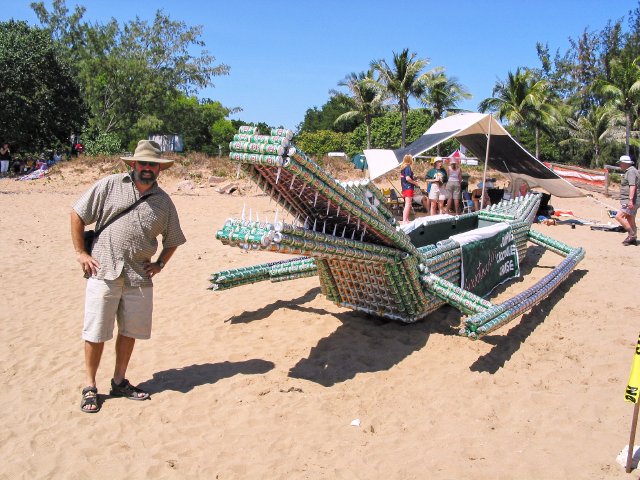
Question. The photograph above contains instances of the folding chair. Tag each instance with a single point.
(467, 203)
(395, 202)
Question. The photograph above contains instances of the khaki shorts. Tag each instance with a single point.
(453, 190)
(437, 192)
(108, 300)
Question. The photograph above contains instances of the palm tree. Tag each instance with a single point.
(523, 101)
(402, 80)
(367, 99)
(623, 89)
(544, 117)
(442, 95)
(594, 129)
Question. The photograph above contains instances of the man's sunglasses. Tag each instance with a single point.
(147, 164)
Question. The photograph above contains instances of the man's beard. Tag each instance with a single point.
(146, 176)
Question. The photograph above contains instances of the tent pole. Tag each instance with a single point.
(486, 163)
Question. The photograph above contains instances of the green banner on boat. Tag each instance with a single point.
(489, 258)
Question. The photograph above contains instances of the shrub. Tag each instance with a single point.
(103, 144)
(322, 142)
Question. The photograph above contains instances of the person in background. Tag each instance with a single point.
(41, 163)
(437, 178)
(523, 189)
(408, 185)
(453, 186)
(5, 159)
(629, 184)
(478, 194)
(426, 201)
(119, 266)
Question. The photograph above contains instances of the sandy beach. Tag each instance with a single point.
(264, 381)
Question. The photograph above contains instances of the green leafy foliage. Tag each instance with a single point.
(222, 132)
(139, 75)
(386, 131)
(322, 142)
(103, 144)
(324, 118)
(402, 80)
(39, 95)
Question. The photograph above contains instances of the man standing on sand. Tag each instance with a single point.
(119, 267)
(626, 216)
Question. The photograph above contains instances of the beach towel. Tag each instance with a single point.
(35, 175)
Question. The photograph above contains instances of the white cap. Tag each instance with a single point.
(625, 159)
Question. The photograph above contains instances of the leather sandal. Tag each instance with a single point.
(125, 389)
(90, 398)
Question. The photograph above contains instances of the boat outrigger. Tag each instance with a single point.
(344, 233)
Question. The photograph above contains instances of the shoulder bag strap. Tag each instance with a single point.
(129, 208)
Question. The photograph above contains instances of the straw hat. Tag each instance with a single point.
(148, 151)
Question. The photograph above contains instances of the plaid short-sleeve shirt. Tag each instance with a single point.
(131, 240)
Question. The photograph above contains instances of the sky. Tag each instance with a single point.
(286, 55)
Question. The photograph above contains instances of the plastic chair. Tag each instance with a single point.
(467, 203)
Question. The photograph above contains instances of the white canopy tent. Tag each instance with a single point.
(472, 130)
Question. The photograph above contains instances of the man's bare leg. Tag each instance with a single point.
(92, 356)
(124, 349)
(623, 219)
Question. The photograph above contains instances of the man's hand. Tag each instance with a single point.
(89, 264)
(152, 268)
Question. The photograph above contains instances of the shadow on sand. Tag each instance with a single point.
(364, 343)
(504, 346)
(186, 378)
(293, 304)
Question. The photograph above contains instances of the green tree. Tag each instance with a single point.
(623, 90)
(367, 99)
(324, 118)
(442, 95)
(137, 70)
(593, 130)
(66, 29)
(193, 119)
(402, 80)
(38, 93)
(103, 144)
(322, 142)
(222, 132)
(522, 100)
(387, 129)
